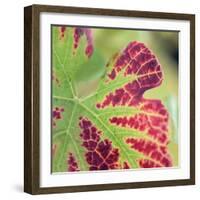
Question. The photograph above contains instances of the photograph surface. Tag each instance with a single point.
(114, 103)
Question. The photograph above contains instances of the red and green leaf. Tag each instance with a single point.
(115, 126)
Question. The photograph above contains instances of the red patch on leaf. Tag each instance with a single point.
(89, 50)
(100, 154)
(137, 59)
(145, 163)
(62, 31)
(152, 150)
(72, 163)
(126, 165)
(78, 33)
(57, 115)
(153, 120)
(139, 62)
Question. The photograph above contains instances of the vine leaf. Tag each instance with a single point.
(115, 126)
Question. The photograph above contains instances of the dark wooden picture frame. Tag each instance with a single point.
(32, 98)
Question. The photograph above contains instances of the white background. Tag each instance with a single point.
(11, 100)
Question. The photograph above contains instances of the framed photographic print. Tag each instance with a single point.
(109, 99)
